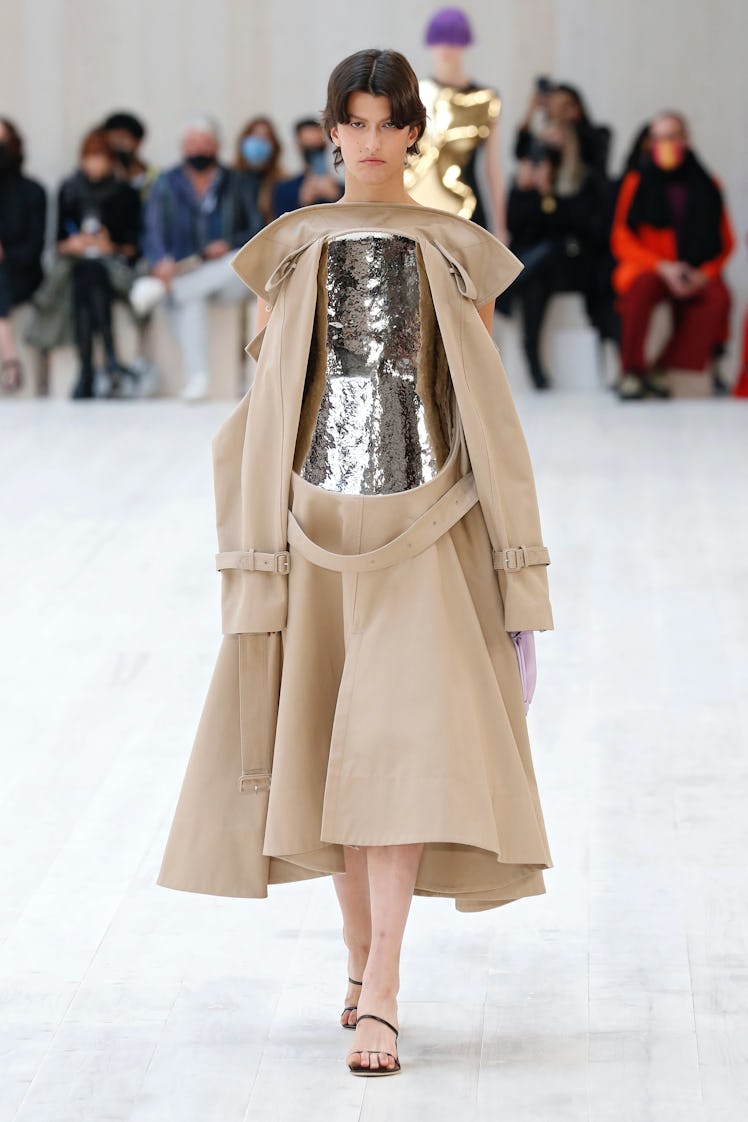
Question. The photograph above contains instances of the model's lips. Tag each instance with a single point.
(372, 160)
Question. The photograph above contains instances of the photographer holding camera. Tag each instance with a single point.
(316, 183)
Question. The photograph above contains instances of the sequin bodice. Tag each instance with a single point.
(370, 435)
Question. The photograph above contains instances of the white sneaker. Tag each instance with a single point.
(145, 294)
(195, 388)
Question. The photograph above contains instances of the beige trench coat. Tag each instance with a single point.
(217, 842)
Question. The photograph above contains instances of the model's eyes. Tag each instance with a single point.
(387, 125)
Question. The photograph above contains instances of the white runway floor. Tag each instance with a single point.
(619, 996)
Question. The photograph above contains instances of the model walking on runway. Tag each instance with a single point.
(382, 572)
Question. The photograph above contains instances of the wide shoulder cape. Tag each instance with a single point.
(485, 260)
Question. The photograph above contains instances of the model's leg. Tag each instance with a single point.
(392, 876)
(352, 888)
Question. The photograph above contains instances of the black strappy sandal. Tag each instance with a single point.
(350, 1008)
(375, 1051)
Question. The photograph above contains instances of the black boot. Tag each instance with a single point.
(84, 387)
(539, 377)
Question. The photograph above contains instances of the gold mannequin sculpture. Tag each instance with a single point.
(458, 122)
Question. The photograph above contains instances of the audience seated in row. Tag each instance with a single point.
(659, 233)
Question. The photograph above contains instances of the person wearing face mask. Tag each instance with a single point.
(196, 215)
(258, 162)
(316, 183)
(126, 133)
(23, 208)
(671, 237)
(98, 219)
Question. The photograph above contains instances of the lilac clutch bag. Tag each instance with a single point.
(524, 647)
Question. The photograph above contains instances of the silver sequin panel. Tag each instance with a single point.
(370, 436)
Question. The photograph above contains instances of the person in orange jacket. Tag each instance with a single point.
(671, 237)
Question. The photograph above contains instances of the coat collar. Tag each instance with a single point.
(262, 262)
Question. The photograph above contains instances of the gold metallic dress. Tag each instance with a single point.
(443, 174)
(371, 435)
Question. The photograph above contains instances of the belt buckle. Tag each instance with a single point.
(514, 559)
(283, 562)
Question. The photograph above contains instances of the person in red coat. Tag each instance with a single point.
(671, 237)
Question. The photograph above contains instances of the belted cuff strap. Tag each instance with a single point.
(510, 560)
(252, 561)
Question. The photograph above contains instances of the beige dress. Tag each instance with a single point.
(381, 454)
(389, 708)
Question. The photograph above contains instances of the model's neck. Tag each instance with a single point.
(356, 192)
(451, 74)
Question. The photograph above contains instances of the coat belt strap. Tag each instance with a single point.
(251, 560)
(424, 531)
(517, 558)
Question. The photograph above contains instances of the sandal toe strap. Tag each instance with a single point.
(374, 1017)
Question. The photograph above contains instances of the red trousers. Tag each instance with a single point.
(701, 324)
(740, 389)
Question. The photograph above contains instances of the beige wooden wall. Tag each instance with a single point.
(64, 63)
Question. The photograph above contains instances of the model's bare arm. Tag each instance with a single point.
(262, 314)
(486, 314)
(495, 180)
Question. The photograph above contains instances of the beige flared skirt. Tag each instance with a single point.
(401, 716)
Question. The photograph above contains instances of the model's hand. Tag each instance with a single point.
(524, 647)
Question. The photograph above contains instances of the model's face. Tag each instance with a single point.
(372, 147)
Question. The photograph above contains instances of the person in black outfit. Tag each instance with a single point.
(316, 183)
(558, 238)
(23, 211)
(97, 219)
(557, 115)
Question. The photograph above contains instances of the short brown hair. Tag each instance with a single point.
(382, 74)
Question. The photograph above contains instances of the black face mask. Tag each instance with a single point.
(200, 162)
(124, 156)
(309, 153)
